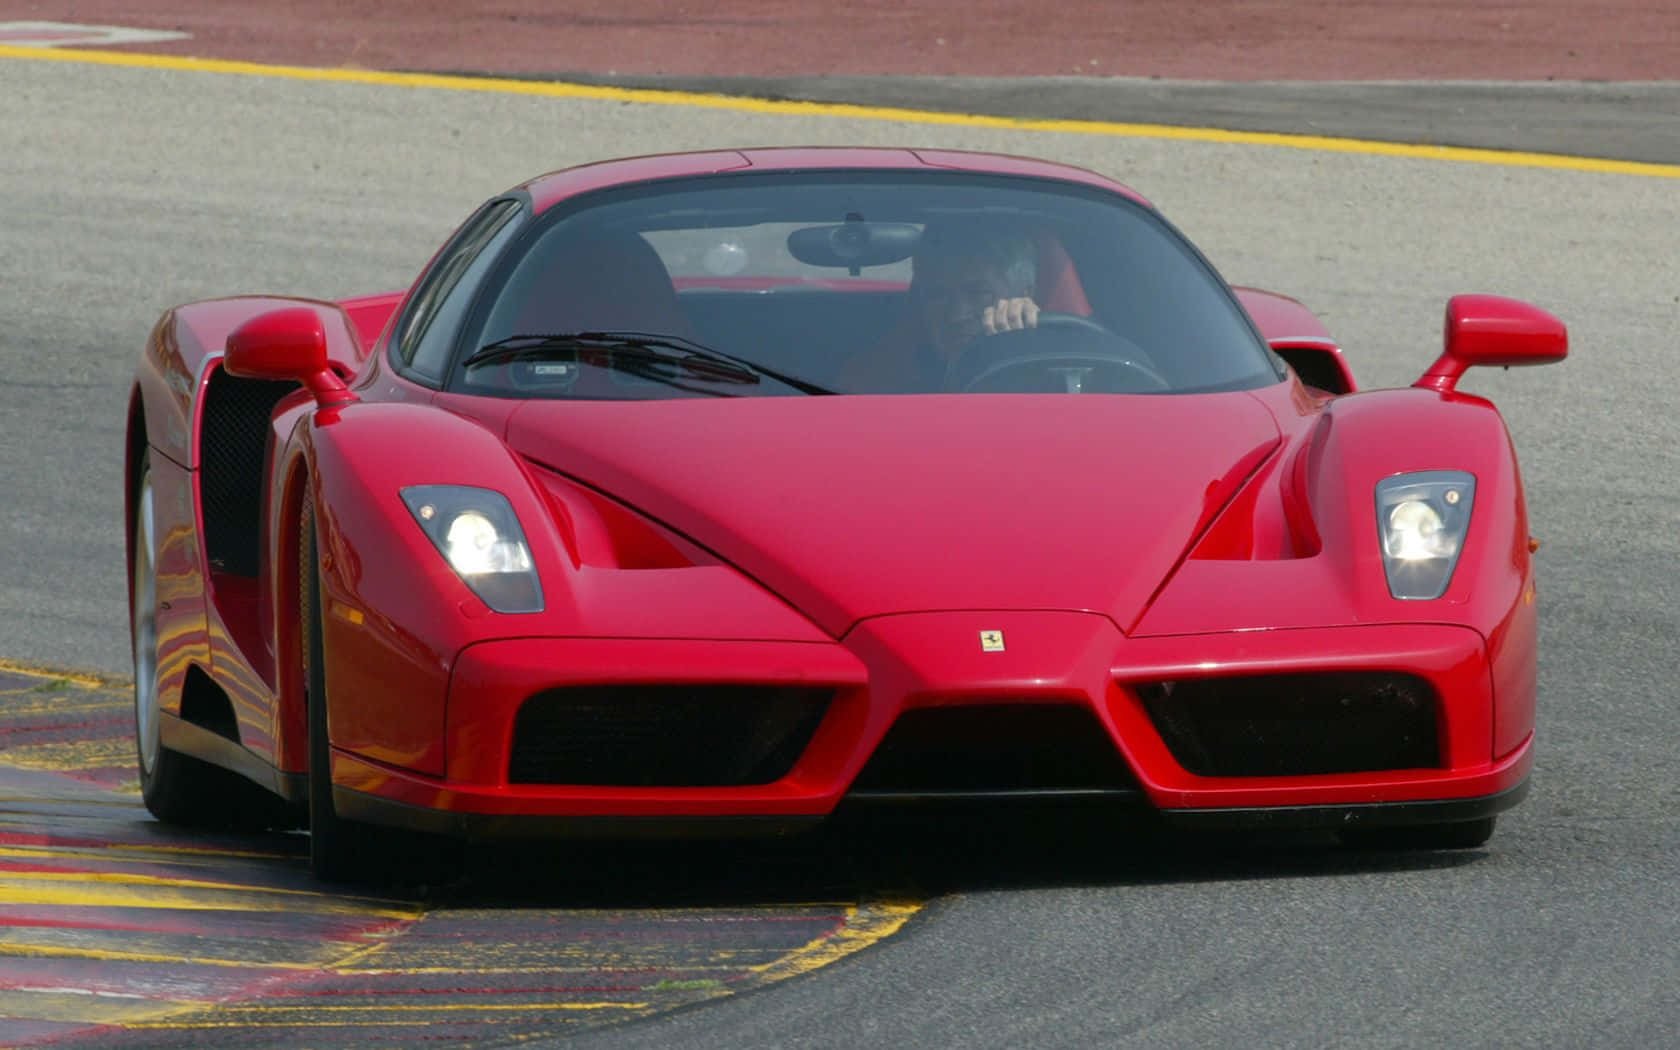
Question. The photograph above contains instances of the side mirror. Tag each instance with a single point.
(1493, 330)
(286, 344)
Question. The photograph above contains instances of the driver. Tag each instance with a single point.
(966, 282)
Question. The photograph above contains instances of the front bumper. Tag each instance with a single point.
(1362, 815)
(893, 664)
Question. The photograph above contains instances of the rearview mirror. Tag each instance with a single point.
(286, 344)
(1494, 330)
(854, 244)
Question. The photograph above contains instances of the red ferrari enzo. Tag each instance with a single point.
(707, 492)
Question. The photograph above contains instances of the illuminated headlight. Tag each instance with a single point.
(1421, 522)
(477, 533)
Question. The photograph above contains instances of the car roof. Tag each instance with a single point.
(548, 190)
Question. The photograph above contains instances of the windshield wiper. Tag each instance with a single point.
(644, 354)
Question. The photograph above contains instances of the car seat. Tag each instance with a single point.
(600, 282)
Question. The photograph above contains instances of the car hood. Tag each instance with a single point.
(852, 507)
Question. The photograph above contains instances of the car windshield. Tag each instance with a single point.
(855, 283)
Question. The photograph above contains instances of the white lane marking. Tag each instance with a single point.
(71, 34)
(66, 990)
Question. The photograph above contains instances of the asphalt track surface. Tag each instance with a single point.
(128, 189)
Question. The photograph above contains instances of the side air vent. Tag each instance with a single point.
(236, 418)
(204, 703)
(663, 735)
(1297, 724)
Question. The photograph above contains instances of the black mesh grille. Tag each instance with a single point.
(995, 748)
(236, 418)
(1290, 725)
(663, 735)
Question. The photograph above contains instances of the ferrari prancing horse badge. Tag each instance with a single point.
(991, 641)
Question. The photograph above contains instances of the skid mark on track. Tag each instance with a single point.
(848, 111)
(118, 931)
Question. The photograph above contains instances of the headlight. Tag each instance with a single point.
(477, 533)
(1421, 522)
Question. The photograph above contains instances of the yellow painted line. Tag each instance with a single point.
(201, 884)
(372, 1015)
(180, 949)
(193, 851)
(63, 703)
(54, 951)
(111, 890)
(594, 963)
(134, 852)
(77, 1007)
(31, 806)
(866, 924)
(507, 971)
(647, 96)
(418, 1008)
(326, 960)
(361, 1016)
(86, 681)
(13, 892)
(184, 1025)
(78, 756)
(359, 954)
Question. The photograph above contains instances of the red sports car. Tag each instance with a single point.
(707, 492)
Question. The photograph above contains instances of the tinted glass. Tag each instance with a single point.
(859, 283)
(424, 340)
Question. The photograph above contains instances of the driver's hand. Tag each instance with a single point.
(1007, 315)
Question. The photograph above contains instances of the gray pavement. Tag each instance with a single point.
(1626, 121)
(128, 190)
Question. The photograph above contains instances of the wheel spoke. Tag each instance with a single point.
(146, 724)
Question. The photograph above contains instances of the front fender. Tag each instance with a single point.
(1338, 458)
(1357, 441)
(394, 612)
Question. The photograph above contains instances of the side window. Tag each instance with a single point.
(423, 342)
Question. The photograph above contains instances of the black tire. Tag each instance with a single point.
(176, 788)
(1465, 834)
(342, 850)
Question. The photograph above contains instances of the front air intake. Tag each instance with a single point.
(663, 735)
(991, 749)
(1296, 724)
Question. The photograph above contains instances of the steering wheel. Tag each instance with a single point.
(1065, 352)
